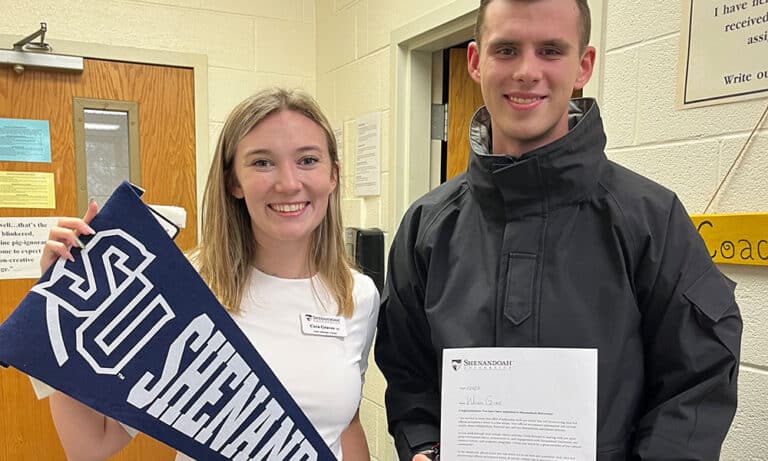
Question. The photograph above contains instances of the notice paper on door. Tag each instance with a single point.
(519, 403)
(21, 189)
(25, 140)
(21, 243)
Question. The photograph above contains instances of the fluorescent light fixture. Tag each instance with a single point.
(102, 126)
(105, 112)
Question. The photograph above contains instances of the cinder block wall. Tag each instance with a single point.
(339, 50)
(688, 151)
(353, 79)
(249, 44)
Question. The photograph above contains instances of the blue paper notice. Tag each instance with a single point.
(130, 329)
(25, 140)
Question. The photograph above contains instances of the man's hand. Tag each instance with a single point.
(420, 458)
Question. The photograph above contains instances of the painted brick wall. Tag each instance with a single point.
(339, 50)
(690, 152)
(353, 78)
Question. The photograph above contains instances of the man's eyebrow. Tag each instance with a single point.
(557, 43)
(499, 42)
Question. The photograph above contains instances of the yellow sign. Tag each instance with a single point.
(735, 238)
(27, 190)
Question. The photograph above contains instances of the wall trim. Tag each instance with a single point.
(411, 49)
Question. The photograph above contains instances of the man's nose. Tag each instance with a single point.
(527, 70)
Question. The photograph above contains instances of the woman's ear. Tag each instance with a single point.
(233, 186)
(335, 175)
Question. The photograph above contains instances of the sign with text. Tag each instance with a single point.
(131, 330)
(21, 245)
(25, 140)
(723, 49)
(27, 189)
(368, 155)
(735, 238)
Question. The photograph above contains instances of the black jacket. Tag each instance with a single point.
(564, 248)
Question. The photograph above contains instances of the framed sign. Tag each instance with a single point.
(723, 49)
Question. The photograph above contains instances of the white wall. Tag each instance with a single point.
(688, 151)
(339, 50)
(354, 78)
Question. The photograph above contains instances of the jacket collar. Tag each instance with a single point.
(552, 176)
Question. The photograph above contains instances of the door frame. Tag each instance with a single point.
(411, 59)
(197, 62)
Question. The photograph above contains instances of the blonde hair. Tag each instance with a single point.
(227, 247)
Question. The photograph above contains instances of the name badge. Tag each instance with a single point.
(323, 325)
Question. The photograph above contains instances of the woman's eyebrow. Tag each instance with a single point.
(258, 152)
(308, 148)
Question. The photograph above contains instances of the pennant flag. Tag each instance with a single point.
(131, 330)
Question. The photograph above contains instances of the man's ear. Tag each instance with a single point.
(473, 61)
(586, 66)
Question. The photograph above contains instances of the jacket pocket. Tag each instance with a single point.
(518, 298)
(712, 295)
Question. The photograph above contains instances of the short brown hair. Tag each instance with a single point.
(584, 15)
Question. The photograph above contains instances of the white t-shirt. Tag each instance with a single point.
(324, 375)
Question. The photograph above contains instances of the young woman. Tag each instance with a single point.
(271, 249)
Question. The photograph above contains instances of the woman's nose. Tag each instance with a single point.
(288, 179)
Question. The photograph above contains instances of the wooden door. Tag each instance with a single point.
(464, 98)
(165, 96)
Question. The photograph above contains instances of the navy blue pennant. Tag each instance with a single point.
(131, 330)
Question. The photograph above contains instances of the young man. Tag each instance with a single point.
(544, 242)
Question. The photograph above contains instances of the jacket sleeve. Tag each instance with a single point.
(692, 336)
(404, 350)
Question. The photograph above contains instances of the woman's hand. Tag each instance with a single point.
(63, 236)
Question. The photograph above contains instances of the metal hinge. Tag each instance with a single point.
(440, 122)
